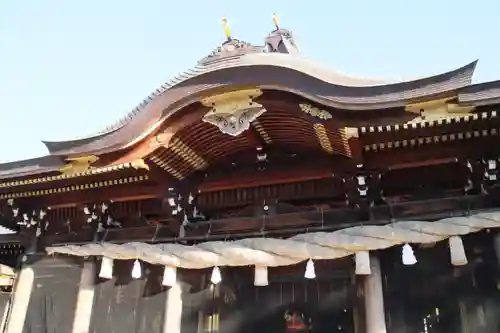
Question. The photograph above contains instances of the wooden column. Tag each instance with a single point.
(374, 299)
(85, 301)
(20, 300)
(496, 245)
(173, 310)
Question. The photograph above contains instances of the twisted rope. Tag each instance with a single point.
(272, 252)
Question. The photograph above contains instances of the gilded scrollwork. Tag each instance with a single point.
(315, 112)
(233, 112)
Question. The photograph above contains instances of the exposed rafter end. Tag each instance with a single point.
(323, 138)
(352, 144)
(157, 160)
(262, 131)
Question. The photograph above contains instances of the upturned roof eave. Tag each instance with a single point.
(60, 147)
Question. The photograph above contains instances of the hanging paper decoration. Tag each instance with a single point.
(408, 256)
(216, 277)
(169, 276)
(137, 270)
(261, 276)
(106, 271)
(457, 251)
(362, 259)
(310, 272)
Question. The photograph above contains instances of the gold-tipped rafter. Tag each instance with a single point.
(323, 139)
(136, 164)
(74, 188)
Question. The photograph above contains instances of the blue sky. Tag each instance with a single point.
(70, 68)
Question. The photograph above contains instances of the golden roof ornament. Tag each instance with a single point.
(232, 112)
(227, 30)
(78, 165)
(139, 164)
(276, 21)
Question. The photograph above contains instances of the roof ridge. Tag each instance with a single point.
(124, 120)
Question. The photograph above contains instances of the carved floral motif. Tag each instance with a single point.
(315, 112)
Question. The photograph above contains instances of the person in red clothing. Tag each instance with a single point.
(297, 322)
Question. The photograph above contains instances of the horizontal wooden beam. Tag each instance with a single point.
(290, 224)
(430, 154)
(117, 193)
(238, 180)
(417, 164)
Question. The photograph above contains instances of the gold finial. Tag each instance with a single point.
(276, 21)
(227, 30)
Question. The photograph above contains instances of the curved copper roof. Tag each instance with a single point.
(274, 66)
(274, 71)
(486, 93)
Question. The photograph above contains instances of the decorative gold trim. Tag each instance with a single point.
(231, 97)
(139, 164)
(346, 133)
(78, 165)
(188, 154)
(233, 112)
(73, 188)
(165, 166)
(315, 112)
(436, 139)
(465, 118)
(262, 131)
(136, 164)
(438, 109)
(323, 139)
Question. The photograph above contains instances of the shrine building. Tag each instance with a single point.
(259, 191)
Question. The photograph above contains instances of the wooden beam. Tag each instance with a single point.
(417, 164)
(117, 193)
(354, 146)
(290, 224)
(430, 154)
(255, 179)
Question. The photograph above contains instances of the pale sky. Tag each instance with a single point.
(70, 68)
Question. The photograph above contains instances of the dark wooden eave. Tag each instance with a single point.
(487, 93)
(30, 167)
(294, 73)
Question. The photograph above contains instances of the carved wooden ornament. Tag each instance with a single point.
(315, 112)
(233, 112)
(78, 165)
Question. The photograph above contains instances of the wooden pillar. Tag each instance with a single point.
(374, 299)
(173, 310)
(496, 245)
(85, 300)
(20, 300)
(359, 306)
